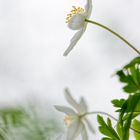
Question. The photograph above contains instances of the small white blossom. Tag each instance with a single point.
(75, 118)
(76, 21)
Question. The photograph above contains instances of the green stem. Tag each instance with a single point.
(107, 114)
(116, 34)
(101, 112)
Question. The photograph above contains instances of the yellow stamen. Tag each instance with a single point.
(68, 120)
(74, 7)
(75, 10)
(69, 15)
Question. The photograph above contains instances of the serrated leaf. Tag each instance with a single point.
(107, 129)
(130, 76)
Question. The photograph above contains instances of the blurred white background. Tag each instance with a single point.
(34, 35)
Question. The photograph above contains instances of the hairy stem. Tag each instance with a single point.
(116, 34)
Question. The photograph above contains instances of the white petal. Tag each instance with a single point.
(71, 100)
(88, 8)
(90, 127)
(74, 130)
(65, 110)
(74, 40)
(77, 21)
(83, 106)
(84, 133)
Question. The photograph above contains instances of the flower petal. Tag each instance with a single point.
(65, 110)
(74, 129)
(90, 127)
(84, 133)
(71, 100)
(74, 40)
(88, 8)
(83, 106)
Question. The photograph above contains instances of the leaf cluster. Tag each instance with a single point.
(128, 108)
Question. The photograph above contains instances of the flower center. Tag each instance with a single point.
(74, 11)
(68, 120)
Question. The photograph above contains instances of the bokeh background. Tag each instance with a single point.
(33, 37)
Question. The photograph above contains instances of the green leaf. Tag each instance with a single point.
(136, 126)
(133, 62)
(130, 76)
(118, 103)
(107, 129)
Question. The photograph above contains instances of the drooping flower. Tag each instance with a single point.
(75, 118)
(76, 21)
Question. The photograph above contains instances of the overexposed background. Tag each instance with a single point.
(34, 35)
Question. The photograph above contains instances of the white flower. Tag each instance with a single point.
(75, 118)
(76, 21)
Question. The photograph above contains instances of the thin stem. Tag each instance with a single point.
(109, 115)
(116, 34)
(101, 112)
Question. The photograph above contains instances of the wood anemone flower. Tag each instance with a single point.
(76, 21)
(75, 118)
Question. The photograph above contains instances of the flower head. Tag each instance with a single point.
(76, 21)
(75, 118)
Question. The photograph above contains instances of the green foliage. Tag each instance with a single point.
(128, 109)
(26, 124)
(12, 116)
(133, 62)
(130, 76)
(118, 104)
(136, 126)
(107, 129)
